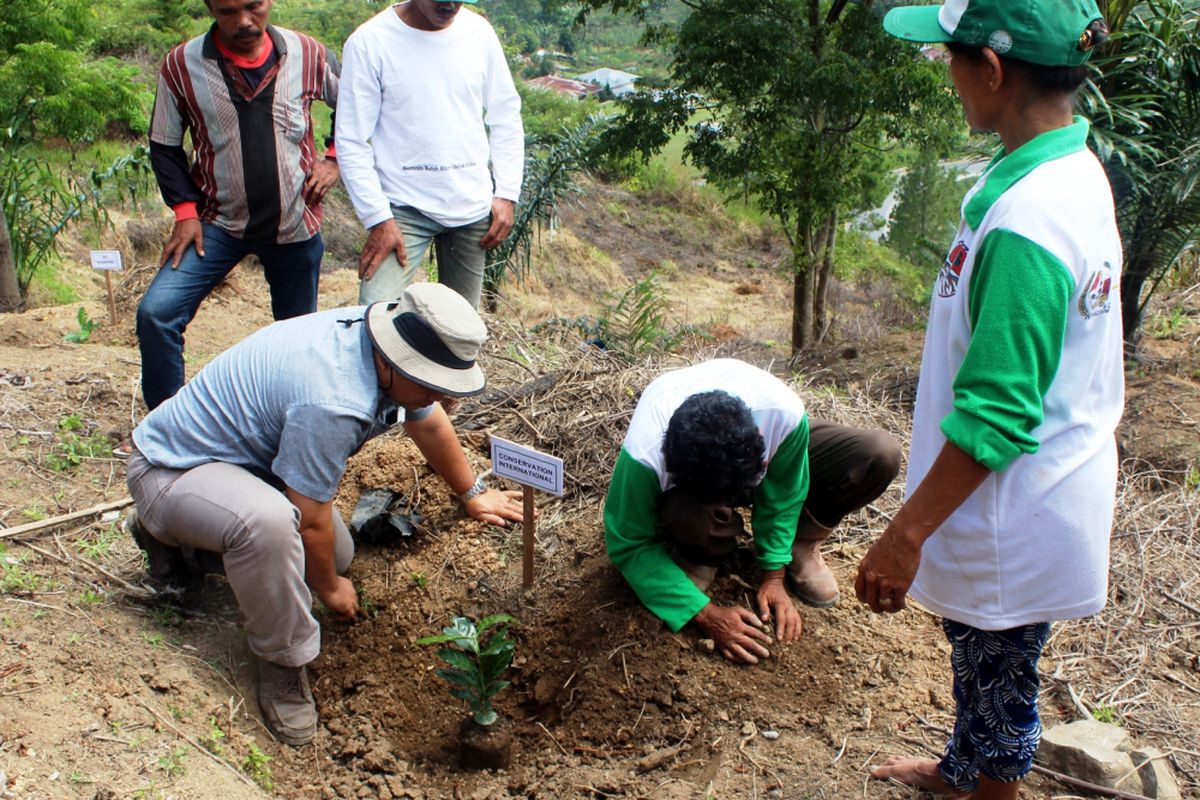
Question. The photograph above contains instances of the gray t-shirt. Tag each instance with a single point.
(294, 400)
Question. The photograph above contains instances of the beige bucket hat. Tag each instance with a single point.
(431, 336)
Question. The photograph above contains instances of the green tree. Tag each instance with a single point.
(58, 92)
(1145, 108)
(791, 104)
(50, 85)
(62, 23)
(147, 28)
(36, 203)
(927, 210)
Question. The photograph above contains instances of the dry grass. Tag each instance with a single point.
(1139, 659)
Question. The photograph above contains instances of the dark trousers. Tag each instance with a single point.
(291, 270)
(848, 468)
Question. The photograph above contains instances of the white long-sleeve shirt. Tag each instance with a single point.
(411, 120)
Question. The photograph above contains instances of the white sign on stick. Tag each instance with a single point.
(527, 466)
(106, 259)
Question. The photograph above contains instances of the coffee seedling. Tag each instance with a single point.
(86, 326)
(477, 659)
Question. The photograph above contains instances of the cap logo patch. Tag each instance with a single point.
(1001, 41)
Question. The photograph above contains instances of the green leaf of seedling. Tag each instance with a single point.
(461, 628)
(494, 619)
(463, 694)
(497, 646)
(476, 664)
(492, 670)
(459, 677)
(462, 633)
(440, 638)
(457, 658)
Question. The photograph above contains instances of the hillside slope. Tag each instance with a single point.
(106, 695)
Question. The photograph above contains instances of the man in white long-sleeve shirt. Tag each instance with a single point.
(420, 81)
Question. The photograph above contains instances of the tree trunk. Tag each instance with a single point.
(1140, 259)
(801, 308)
(828, 241)
(10, 290)
(1132, 282)
(803, 287)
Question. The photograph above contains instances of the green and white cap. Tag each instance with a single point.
(1053, 33)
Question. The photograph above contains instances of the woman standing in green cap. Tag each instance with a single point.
(1012, 474)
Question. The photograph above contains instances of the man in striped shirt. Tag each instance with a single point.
(243, 91)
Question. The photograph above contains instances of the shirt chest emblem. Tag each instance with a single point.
(947, 284)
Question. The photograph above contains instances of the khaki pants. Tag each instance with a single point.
(460, 259)
(232, 511)
(848, 468)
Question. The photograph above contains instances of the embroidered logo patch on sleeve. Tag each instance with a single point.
(951, 270)
(1096, 298)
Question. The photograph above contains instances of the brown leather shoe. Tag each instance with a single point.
(809, 577)
(286, 702)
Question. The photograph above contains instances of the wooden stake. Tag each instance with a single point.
(112, 304)
(29, 527)
(529, 527)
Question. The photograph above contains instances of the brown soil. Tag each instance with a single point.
(99, 690)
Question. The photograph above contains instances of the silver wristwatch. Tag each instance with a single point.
(477, 488)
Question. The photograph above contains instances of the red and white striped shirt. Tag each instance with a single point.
(252, 145)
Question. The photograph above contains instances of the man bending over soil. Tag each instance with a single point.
(244, 462)
(715, 436)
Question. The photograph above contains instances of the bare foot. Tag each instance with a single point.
(911, 771)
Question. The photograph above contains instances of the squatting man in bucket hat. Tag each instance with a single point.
(706, 440)
(244, 461)
(1013, 470)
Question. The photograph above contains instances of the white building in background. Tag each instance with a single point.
(620, 83)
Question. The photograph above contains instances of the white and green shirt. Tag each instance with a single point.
(1023, 370)
(640, 477)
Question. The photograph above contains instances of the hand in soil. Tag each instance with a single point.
(775, 607)
(737, 632)
(342, 600)
(496, 507)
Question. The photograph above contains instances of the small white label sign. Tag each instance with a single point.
(527, 466)
(106, 259)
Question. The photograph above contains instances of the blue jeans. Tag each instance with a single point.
(460, 259)
(291, 270)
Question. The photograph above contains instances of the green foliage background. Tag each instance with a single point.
(56, 82)
(794, 117)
